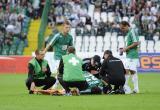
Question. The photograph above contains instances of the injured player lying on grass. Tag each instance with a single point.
(96, 86)
(75, 81)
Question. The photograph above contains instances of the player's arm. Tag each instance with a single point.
(134, 39)
(31, 76)
(135, 44)
(47, 47)
(31, 72)
(48, 71)
(52, 42)
(104, 69)
(32, 88)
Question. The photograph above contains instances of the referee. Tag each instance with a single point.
(112, 72)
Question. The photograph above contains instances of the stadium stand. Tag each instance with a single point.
(95, 23)
(15, 18)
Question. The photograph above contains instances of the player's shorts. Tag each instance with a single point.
(55, 65)
(131, 64)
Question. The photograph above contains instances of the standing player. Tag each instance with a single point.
(60, 43)
(131, 49)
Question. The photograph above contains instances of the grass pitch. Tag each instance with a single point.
(14, 96)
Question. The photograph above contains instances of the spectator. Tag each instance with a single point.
(1, 39)
(93, 31)
(36, 7)
(29, 11)
(51, 18)
(13, 17)
(59, 10)
(145, 21)
(87, 30)
(88, 20)
(104, 6)
(9, 38)
(78, 31)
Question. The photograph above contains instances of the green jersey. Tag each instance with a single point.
(60, 44)
(131, 37)
(72, 68)
(92, 80)
(39, 74)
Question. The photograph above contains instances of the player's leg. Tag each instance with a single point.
(81, 85)
(49, 82)
(106, 85)
(60, 79)
(75, 86)
(67, 86)
(118, 86)
(28, 84)
(55, 66)
(127, 76)
(134, 75)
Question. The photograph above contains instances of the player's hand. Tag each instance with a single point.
(94, 72)
(44, 69)
(32, 88)
(44, 52)
(124, 50)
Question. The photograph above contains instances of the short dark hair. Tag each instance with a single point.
(125, 23)
(71, 49)
(38, 51)
(109, 52)
(97, 58)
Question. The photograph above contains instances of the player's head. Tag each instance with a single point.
(71, 49)
(39, 54)
(124, 26)
(66, 27)
(107, 54)
(95, 60)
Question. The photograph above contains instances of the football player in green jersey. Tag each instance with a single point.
(60, 43)
(131, 49)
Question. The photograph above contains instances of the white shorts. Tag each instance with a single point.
(53, 64)
(131, 64)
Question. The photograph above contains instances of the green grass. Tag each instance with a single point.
(14, 96)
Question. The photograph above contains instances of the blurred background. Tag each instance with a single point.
(26, 25)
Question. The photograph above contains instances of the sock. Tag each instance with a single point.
(127, 79)
(135, 82)
(126, 86)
